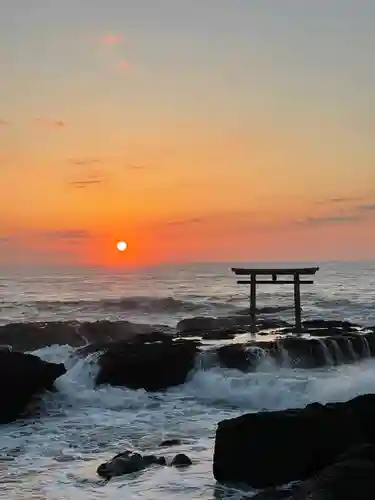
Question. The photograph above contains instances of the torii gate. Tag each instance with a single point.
(274, 274)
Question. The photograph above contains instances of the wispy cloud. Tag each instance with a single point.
(4, 123)
(339, 200)
(329, 219)
(81, 184)
(370, 207)
(109, 40)
(135, 166)
(4, 239)
(123, 64)
(184, 222)
(67, 234)
(84, 161)
(50, 122)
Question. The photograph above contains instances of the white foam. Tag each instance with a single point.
(281, 388)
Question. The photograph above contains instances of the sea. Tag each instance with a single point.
(55, 456)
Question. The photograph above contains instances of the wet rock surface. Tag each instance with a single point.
(22, 377)
(167, 443)
(129, 462)
(181, 460)
(153, 366)
(349, 480)
(33, 336)
(269, 449)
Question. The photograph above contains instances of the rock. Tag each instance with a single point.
(32, 336)
(224, 327)
(170, 442)
(316, 324)
(351, 480)
(269, 449)
(153, 366)
(297, 351)
(23, 376)
(181, 460)
(243, 357)
(127, 463)
(361, 452)
(272, 494)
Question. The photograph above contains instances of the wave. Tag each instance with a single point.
(213, 386)
(144, 304)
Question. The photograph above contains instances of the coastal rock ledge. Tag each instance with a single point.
(274, 448)
(23, 376)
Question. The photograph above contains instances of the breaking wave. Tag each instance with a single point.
(136, 303)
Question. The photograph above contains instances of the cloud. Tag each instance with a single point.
(329, 219)
(123, 64)
(84, 161)
(109, 40)
(343, 200)
(4, 123)
(339, 200)
(81, 184)
(50, 122)
(367, 207)
(4, 239)
(67, 234)
(183, 222)
(134, 166)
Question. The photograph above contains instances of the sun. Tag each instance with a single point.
(121, 246)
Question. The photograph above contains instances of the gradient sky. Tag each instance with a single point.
(210, 130)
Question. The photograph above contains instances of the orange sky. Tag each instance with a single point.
(250, 147)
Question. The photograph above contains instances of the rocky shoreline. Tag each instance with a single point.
(320, 451)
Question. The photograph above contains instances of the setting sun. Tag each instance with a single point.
(121, 246)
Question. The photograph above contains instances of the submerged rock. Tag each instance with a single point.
(153, 366)
(268, 449)
(181, 460)
(170, 442)
(23, 376)
(127, 463)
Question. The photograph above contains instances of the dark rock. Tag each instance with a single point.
(329, 324)
(153, 366)
(272, 494)
(361, 452)
(268, 449)
(224, 327)
(350, 480)
(32, 336)
(243, 357)
(128, 462)
(298, 351)
(23, 376)
(181, 460)
(170, 442)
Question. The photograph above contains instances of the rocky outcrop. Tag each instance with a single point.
(33, 336)
(298, 351)
(129, 462)
(181, 460)
(154, 365)
(224, 327)
(351, 477)
(23, 376)
(267, 449)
